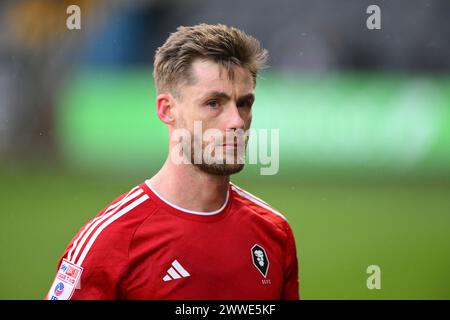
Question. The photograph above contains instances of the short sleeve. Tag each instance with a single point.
(291, 281)
(96, 276)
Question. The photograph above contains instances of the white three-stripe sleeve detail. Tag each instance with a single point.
(96, 222)
(119, 203)
(113, 218)
(235, 187)
(261, 204)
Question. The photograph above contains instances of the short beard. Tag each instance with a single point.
(219, 169)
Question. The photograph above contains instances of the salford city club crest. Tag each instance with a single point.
(260, 259)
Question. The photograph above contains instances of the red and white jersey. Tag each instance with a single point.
(143, 247)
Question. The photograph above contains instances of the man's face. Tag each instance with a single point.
(218, 102)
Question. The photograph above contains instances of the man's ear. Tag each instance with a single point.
(165, 105)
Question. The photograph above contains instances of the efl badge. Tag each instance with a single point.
(260, 259)
(66, 281)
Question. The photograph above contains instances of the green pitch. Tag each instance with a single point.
(341, 229)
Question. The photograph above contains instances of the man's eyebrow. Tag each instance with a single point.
(246, 97)
(223, 95)
(217, 94)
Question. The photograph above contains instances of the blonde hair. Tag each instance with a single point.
(224, 45)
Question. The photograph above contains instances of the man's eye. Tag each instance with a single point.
(244, 104)
(212, 104)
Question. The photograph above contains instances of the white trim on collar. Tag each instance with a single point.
(200, 213)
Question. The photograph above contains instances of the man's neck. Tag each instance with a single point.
(190, 188)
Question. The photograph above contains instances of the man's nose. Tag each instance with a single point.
(234, 118)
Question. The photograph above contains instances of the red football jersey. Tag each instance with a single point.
(143, 247)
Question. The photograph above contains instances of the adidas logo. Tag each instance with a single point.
(176, 271)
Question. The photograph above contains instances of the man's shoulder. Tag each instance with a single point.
(112, 227)
(128, 197)
(134, 204)
(259, 206)
(123, 206)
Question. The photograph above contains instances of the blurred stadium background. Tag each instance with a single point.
(364, 119)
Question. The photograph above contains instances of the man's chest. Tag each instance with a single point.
(207, 263)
